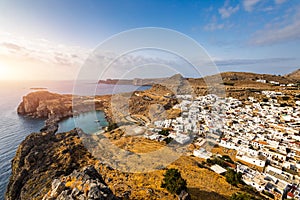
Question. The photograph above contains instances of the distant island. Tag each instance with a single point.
(38, 88)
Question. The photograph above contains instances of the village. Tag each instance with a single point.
(264, 134)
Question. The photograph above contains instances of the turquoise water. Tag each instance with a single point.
(90, 122)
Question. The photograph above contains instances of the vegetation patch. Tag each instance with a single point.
(173, 181)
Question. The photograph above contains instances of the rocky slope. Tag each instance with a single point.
(41, 158)
(240, 85)
(294, 75)
(84, 184)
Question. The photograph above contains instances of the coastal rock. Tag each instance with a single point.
(43, 157)
(41, 104)
(44, 104)
(51, 125)
(84, 184)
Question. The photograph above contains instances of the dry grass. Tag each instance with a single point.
(203, 183)
(138, 144)
(223, 151)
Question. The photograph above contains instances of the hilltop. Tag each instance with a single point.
(243, 78)
(294, 75)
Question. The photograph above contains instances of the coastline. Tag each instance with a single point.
(56, 107)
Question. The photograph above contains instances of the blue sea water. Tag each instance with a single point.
(85, 121)
(14, 128)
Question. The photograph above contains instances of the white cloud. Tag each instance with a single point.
(41, 50)
(278, 32)
(249, 4)
(241, 62)
(280, 1)
(57, 61)
(213, 26)
(226, 11)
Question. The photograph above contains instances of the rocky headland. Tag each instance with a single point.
(42, 104)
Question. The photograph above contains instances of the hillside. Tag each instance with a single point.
(294, 75)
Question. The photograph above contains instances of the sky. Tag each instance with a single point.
(51, 39)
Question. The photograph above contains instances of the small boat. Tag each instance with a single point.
(97, 120)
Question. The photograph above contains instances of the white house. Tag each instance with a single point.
(202, 153)
(218, 169)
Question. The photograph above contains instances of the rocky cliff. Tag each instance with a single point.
(41, 104)
(42, 158)
(54, 107)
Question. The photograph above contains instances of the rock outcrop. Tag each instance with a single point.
(44, 104)
(178, 85)
(43, 157)
(41, 104)
(84, 184)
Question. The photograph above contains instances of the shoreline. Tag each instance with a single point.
(53, 108)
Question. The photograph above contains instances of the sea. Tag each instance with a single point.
(14, 128)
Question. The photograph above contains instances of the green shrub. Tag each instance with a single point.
(217, 161)
(285, 98)
(112, 126)
(268, 194)
(228, 83)
(164, 132)
(173, 181)
(233, 178)
(168, 140)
